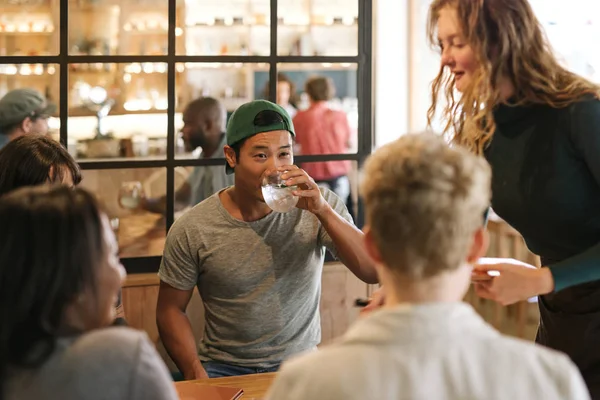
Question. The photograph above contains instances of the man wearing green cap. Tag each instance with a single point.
(22, 112)
(258, 272)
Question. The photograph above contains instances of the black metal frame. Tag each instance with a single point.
(364, 93)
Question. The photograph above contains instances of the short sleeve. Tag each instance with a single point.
(179, 266)
(339, 207)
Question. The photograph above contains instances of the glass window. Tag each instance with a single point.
(105, 103)
(140, 232)
(224, 27)
(195, 184)
(108, 27)
(305, 90)
(317, 27)
(118, 85)
(231, 84)
(42, 77)
(29, 27)
(344, 183)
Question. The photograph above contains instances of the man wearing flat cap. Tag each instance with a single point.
(23, 112)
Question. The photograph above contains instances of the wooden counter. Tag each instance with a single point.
(255, 386)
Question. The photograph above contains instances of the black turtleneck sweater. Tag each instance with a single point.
(546, 184)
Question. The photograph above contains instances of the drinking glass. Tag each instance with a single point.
(278, 196)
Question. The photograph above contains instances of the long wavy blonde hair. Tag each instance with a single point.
(509, 43)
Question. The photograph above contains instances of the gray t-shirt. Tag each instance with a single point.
(260, 281)
(116, 363)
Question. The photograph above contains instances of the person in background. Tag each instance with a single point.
(321, 130)
(258, 271)
(204, 127)
(23, 112)
(59, 278)
(286, 94)
(425, 203)
(36, 160)
(538, 125)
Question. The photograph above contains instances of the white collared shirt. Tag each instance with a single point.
(434, 351)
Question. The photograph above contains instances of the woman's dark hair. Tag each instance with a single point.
(32, 160)
(52, 246)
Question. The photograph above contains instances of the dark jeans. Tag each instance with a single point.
(219, 370)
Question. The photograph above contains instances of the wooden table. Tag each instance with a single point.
(255, 386)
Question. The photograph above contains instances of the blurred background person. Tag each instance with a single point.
(286, 94)
(59, 278)
(204, 122)
(322, 130)
(22, 112)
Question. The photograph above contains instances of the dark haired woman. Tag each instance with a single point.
(35, 160)
(59, 279)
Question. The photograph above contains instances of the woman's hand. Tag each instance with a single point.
(375, 302)
(508, 281)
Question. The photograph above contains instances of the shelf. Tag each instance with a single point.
(147, 32)
(83, 112)
(229, 103)
(19, 9)
(313, 66)
(17, 33)
(227, 26)
(268, 25)
(119, 158)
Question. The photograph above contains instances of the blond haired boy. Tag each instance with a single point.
(424, 204)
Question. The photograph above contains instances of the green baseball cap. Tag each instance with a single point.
(19, 104)
(242, 124)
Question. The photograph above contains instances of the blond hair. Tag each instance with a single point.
(424, 200)
(509, 43)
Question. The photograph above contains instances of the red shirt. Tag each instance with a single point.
(321, 130)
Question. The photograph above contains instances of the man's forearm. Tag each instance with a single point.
(157, 206)
(349, 243)
(178, 338)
